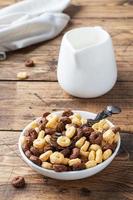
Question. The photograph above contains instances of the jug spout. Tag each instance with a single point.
(82, 38)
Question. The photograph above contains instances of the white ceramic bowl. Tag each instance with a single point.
(72, 175)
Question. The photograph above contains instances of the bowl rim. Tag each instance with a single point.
(39, 168)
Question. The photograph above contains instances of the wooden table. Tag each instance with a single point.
(22, 101)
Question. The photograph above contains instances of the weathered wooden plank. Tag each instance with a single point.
(101, 9)
(20, 102)
(85, 2)
(46, 64)
(115, 182)
(45, 54)
(45, 69)
(103, 2)
(94, 9)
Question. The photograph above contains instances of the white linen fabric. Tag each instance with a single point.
(31, 21)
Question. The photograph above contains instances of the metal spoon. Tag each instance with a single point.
(110, 110)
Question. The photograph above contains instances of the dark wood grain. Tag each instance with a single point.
(45, 55)
(22, 101)
(115, 182)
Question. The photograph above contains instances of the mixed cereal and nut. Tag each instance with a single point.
(68, 142)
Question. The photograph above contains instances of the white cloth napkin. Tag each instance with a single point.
(31, 21)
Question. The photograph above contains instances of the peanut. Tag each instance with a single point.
(74, 161)
(98, 158)
(22, 75)
(107, 154)
(70, 131)
(92, 155)
(80, 142)
(85, 146)
(41, 134)
(90, 163)
(109, 136)
(94, 147)
(45, 156)
(47, 165)
(84, 153)
(47, 138)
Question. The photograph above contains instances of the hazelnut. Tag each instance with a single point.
(49, 131)
(60, 168)
(28, 153)
(34, 151)
(78, 166)
(75, 153)
(116, 129)
(35, 160)
(47, 148)
(18, 182)
(29, 63)
(67, 113)
(66, 152)
(60, 127)
(109, 146)
(46, 114)
(65, 120)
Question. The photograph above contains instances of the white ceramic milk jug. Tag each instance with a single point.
(87, 66)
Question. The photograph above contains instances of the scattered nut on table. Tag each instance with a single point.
(22, 75)
(65, 143)
(29, 63)
(18, 182)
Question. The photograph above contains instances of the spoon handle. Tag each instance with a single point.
(107, 112)
(104, 114)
